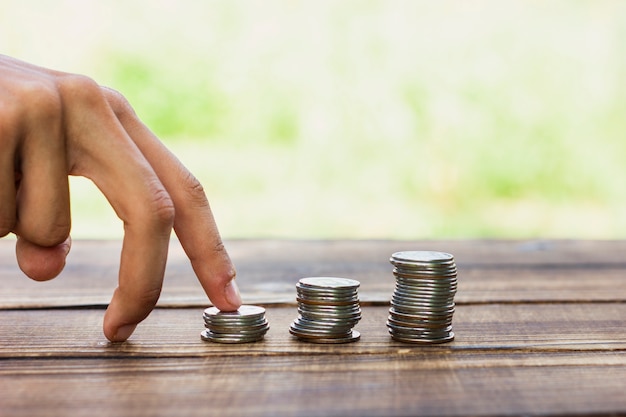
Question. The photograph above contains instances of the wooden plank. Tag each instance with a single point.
(372, 385)
(513, 359)
(559, 271)
(176, 332)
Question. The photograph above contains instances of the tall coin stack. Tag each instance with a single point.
(328, 310)
(247, 324)
(422, 304)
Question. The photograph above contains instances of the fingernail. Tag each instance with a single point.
(124, 332)
(231, 292)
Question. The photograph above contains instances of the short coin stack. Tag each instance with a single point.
(328, 309)
(247, 324)
(422, 304)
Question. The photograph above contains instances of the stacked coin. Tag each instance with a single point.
(247, 324)
(422, 304)
(328, 309)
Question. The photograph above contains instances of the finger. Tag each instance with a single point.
(43, 207)
(41, 263)
(102, 151)
(7, 175)
(194, 222)
(44, 194)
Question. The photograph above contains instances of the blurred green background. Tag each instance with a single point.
(362, 119)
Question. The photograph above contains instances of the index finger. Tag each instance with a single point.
(194, 223)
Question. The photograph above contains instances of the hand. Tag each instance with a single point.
(54, 124)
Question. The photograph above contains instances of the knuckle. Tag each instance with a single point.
(79, 89)
(9, 121)
(7, 225)
(119, 104)
(51, 234)
(161, 209)
(57, 234)
(149, 297)
(196, 197)
(224, 270)
(40, 100)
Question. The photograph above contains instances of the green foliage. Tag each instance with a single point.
(405, 119)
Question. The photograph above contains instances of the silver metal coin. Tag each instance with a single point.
(300, 330)
(327, 300)
(208, 336)
(422, 257)
(247, 324)
(353, 336)
(333, 283)
(328, 309)
(422, 304)
(314, 327)
(420, 318)
(422, 340)
(421, 323)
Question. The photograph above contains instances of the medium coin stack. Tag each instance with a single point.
(328, 309)
(247, 324)
(422, 304)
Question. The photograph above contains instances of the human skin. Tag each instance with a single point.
(55, 124)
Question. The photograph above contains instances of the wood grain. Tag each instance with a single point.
(176, 332)
(507, 359)
(539, 331)
(489, 271)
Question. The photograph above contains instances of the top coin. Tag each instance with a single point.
(427, 257)
(329, 282)
(243, 311)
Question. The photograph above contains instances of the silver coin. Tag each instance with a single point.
(421, 323)
(426, 288)
(322, 318)
(330, 318)
(245, 314)
(417, 268)
(308, 285)
(432, 319)
(434, 302)
(242, 311)
(424, 296)
(436, 278)
(419, 315)
(354, 312)
(327, 302)
(314, 327)
(422, 256)
(421, 340)
(430, 277)
(426, 322)
(239, 330)
(328, 309)
(416, 316)
(427, 282)
(223, 329)
(208, 336)
(415, 307)
(415, 328)
(328, 297)
(329, 283)
(247, 324)
(353, 336)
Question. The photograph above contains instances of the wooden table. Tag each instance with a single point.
(540, 330)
